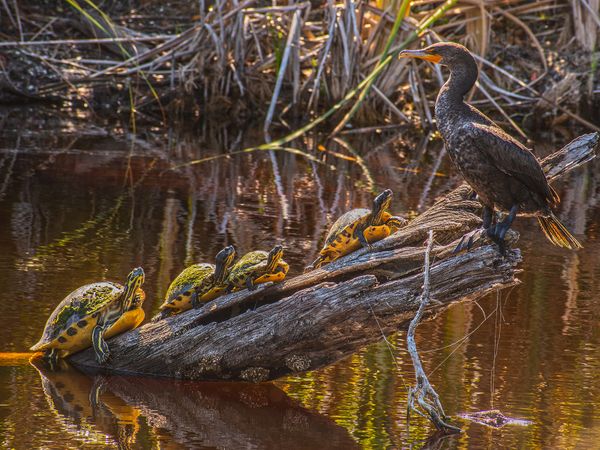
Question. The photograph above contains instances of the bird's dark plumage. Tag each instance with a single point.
(502, 171)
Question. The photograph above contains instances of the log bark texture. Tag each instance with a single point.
(317, 318)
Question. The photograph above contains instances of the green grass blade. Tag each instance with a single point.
(395, 28)
(384, 60)
(292, 150)
(423, 26)
(126, 54)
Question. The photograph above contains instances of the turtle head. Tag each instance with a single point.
(135, 279)
(380, 205)
(274, 256)
(224, 259)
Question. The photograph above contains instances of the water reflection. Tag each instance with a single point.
(130, 412)
(85, 408)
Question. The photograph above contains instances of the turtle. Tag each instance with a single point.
(199, 283)
(258, 267)
(359, 228)
(91, 314)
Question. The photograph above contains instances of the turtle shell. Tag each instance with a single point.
(276, 276)
(255, 264)
(69, 327)
(342, 240)
(249, 264)
(196, 276)
(347, 222)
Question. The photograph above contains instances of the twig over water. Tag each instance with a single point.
(423, 390)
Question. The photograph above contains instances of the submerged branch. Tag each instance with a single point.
(423, 390)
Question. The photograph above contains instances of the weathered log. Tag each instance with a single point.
(318, 318)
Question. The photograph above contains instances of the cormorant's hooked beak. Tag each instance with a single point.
(421, 54)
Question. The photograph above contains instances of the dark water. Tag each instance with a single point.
(81, 206)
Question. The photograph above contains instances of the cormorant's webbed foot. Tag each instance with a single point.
(469, 239)
(492, 234)
(497, 232)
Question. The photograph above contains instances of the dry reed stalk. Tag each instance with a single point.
(243, 52)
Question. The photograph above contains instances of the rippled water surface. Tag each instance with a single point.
(82, 206)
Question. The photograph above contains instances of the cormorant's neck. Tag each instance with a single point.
(463, 75)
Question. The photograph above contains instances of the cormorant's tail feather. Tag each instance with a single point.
(557, 233)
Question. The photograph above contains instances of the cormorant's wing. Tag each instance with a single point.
(510, 157)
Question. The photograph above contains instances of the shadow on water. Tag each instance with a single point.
(130, 412)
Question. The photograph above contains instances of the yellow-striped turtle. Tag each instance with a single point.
(199, 283)
(359, 228)
(256, 268)
(91, 314)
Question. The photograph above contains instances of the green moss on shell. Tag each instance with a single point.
(190, 278)
(79, 304)
(251, 263)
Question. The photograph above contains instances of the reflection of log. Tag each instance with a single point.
(325, 315)
(228, 415)
(69, 394)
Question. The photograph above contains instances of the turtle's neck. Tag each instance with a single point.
(450, 106)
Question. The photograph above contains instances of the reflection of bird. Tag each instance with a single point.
(502, 171)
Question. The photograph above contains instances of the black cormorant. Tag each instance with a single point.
(502, 171)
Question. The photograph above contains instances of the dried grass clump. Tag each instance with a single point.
(245, 59)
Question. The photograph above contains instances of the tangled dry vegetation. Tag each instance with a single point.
(250, 59)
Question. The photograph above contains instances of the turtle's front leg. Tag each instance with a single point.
(194, 299)
(100, 346)
(360, 234)
(250, 284)
(395, 223)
